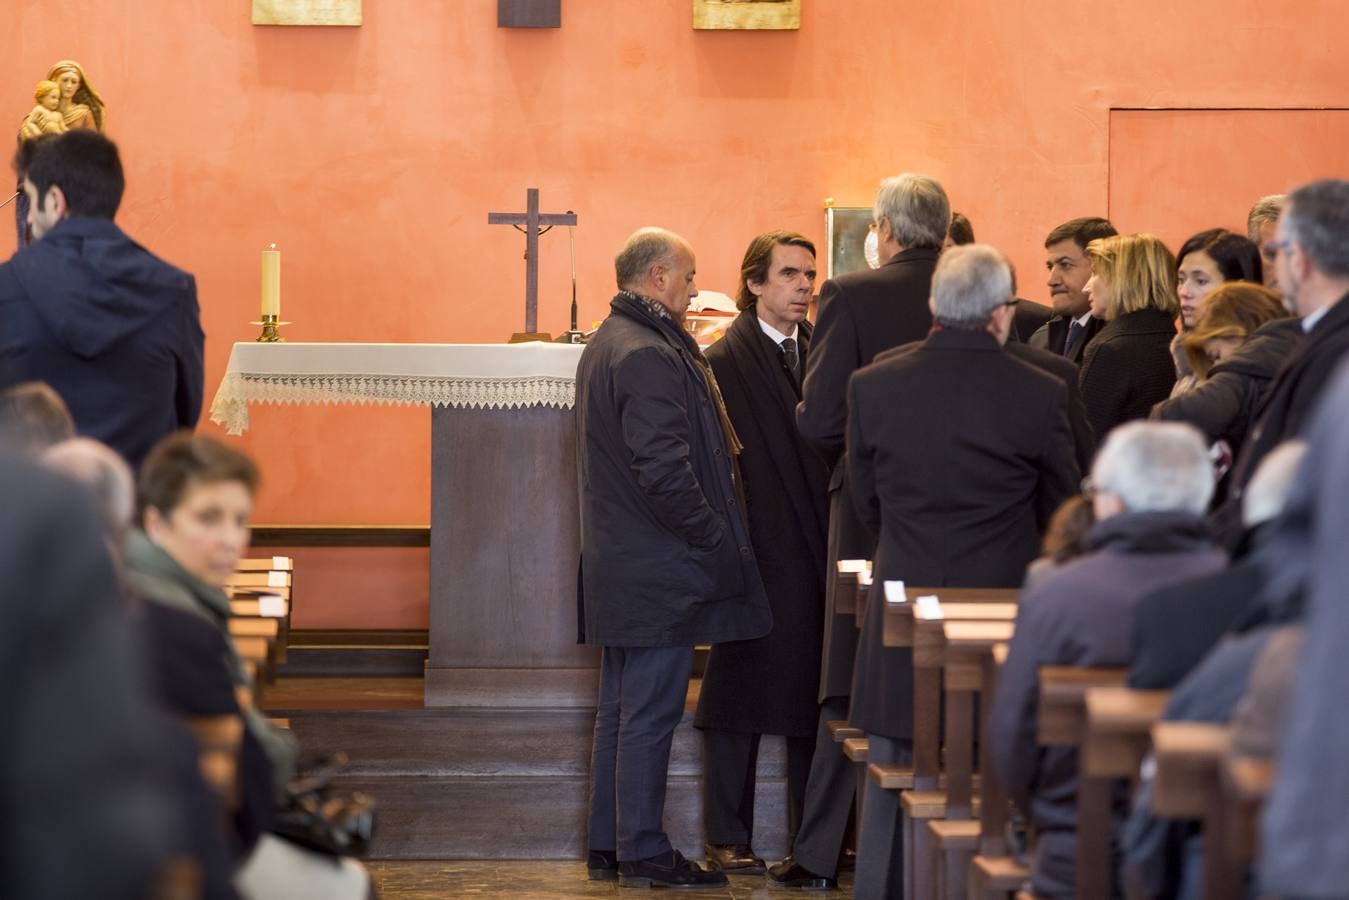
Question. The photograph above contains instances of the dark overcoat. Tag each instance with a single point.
(1081, 614)
(111, 327)
(1027, 318)
(861, 315)
(1127, 369)
(769, 685)
(958, 454)
(666, 559)
(1288, 406)
(1052, 335)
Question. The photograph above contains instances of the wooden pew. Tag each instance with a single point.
(928, 801)
(1246, 783)
(1190, 757)
(266, 564)
(1118, 734)
(968, 645)
(994, 872)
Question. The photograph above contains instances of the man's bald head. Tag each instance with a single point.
(99, 468)
(659, 264)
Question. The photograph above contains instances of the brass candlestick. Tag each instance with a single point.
(270, 333)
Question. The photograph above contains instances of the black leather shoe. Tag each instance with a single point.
(791, 875)
(669, 870)
(602, 865)
(734, 859)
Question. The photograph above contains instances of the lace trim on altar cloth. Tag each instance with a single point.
(236, 392)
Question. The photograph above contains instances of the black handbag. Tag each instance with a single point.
(318, 817)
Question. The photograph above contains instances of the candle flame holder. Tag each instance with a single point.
(270, 330)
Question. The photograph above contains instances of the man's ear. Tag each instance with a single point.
(55, 202)
(155, 524)
(755, 287)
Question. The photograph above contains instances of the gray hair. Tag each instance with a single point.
(1266, 209)
(1265, 496)
(104, 473)
(643, 249)
(1156, 467)
(971, 281)
(916, 208)
(1316, 218)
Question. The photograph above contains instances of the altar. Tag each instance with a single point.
(504, 514)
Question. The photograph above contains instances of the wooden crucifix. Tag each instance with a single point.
(532, 220)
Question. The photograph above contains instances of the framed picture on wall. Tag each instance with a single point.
(747, 14)
(306, 12)
(845, 231)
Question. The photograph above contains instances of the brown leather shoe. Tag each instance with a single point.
(734, 859)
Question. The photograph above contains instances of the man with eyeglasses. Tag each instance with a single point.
(1073, 326)
(1311, 258)
(958, 453)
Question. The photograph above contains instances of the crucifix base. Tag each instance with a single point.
(524, 337)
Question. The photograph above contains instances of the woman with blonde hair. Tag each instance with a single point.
(1128, 367)
(1236, 348)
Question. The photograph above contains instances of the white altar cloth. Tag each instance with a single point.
(491, 376)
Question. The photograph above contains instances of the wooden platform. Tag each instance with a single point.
(482, 783)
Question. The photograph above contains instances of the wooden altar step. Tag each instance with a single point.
(487, 783)
(391, 653)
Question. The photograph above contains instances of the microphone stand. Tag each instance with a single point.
(572, 335)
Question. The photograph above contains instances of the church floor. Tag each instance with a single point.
(544, 880)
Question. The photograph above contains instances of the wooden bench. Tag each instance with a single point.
(1190, 757)
(1245, 785)
(1118, 734)
(993, 872)
(266, 564)
(928, 801)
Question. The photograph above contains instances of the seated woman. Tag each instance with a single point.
(1127, 367)
(1235, 349)
(196, 500)
(1207, 261)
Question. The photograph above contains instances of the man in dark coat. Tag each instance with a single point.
(958, 454)
(1312, 266)
(1150, 486)
(113, 328)
(666, 559)
(1073, 326)
(861, 314)
(768, 685)
(1304, 831)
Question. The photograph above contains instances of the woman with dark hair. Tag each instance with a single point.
(1235, 348)
(1206, 261)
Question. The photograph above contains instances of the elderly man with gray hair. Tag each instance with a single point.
(1150, 485)
(957, 455)
(861, 315)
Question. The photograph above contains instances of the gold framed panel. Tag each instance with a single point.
(747, 14)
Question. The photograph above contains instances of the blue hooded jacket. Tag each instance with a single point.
(115, 330)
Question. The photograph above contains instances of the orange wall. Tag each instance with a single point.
(372, 155)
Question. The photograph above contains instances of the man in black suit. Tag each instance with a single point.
(861, 314)
(1312, 265)
(768, 685)
(1072, 327)
(957, 455)
(1030, 316)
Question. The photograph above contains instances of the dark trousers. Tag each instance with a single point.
(830, 788)
(642, 691)
(730, 760)
(880, 848)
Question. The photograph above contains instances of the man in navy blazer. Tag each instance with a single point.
(113, 328)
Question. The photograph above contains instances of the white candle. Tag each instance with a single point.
(271, 282)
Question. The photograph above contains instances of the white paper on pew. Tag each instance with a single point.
(864, 578)
(277, 579)
(270, 606)
(894, 592)
(280, 562)
(853, 566)
(929, 607)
